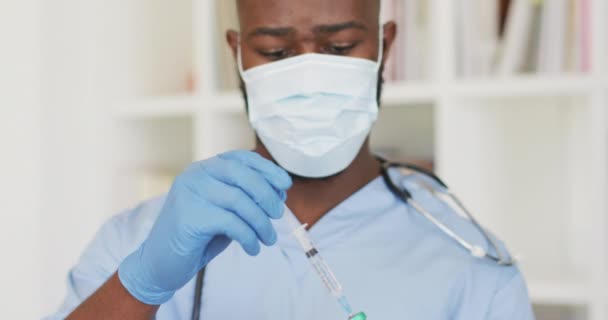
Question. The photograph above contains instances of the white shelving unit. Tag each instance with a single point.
(528, 154)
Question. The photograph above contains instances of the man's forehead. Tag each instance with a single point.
(284, 13)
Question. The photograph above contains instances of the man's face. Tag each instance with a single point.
(272, 30)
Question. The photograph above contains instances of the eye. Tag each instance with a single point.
(274, 54)
(340, 49)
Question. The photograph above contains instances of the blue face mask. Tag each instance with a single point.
(313, 112)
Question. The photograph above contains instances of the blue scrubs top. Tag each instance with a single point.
(392, 262)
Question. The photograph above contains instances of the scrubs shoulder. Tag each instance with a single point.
(115, 240)
(392, 262)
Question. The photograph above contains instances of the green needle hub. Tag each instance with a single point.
(358, 316)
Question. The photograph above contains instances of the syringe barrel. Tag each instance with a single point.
(303, 238)
(327, 276)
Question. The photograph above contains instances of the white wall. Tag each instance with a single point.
(74, 180)
(54, 70)
(65, 153)
(20, 166)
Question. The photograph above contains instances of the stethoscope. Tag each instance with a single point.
(502, 258)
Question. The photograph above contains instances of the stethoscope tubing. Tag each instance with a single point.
(405, 195)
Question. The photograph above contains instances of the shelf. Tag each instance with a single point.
(559, 293)
(179, 105)
(394, 95)
(406, 94)
(522, 86)
(400, 94)
(230, 102)
(159, 107)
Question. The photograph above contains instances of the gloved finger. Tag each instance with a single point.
(218, 221)
(250, 181)
(234, 199)
(278, 177)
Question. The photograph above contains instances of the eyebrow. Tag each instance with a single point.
(285, 31)
(274, 32)
(333, 28)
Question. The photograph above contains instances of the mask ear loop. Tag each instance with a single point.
(239, 57)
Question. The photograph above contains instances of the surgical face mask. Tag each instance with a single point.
(313, 112)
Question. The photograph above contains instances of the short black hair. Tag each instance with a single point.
(238, 4)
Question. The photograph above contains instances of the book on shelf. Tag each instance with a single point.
(493, 37)
(533, 47)
(477, 27)
(407, 60)
(583, 38)
(507, 37)
(552, 48)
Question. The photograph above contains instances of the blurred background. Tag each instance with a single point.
(103, 102)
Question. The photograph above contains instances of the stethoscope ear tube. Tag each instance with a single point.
(386, 165)
(502, 258)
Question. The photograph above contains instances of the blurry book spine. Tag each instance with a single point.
(401, 48)
(516, 37)
(552, 42)
(585, 44)
(503, 12)
(465, 37)
(545, 37)
(488, 12)
(535, 41)
(573, 52)
(407, 60)
(390, 67)
(477, 34)
(417, 40)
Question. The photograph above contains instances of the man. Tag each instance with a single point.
(310, 71)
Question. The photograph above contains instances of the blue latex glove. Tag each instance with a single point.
(213, 202)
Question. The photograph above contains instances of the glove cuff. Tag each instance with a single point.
(134, 279)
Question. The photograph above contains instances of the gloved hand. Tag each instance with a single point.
(230, 197)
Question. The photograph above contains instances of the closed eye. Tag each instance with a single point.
(340, 49)
(275, 54)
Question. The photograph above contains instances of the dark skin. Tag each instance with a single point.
(272, 30)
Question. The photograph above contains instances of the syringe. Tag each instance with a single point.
(322, 269)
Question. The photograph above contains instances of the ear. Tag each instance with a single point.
(232, 38)
(390, 33)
